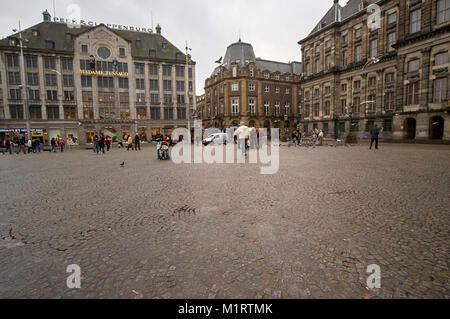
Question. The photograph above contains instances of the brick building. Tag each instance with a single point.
(261, 93)
(379, 62)
(86, 79)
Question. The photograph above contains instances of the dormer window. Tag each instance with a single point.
(179, 56)
(152, 53)
(164, 46)
(138, 43)
(49, 45)
(35, 33)
(12, 42)
(69, 36)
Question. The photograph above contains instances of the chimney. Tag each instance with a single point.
(158, 29)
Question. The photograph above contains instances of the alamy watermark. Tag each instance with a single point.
(224, 151)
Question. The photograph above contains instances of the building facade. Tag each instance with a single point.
(379, 62)
(259, 92)
(85, 80)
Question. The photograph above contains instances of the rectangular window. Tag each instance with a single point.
(167, 85)
(180, 99)
(266, 89)
(316, 109)
(69, 96)
(413, 93)
(140, 98)
(84, 48)
(344, 87)
(34, 95)
(389, 78)
(372, 81)
(327, 108)
(12, 60)
(33, 79)
(234, 106)
(155, 113)
(180, 86)
(122, 52)
(413, 65)
(88, 113)
(387, 125)
(267, 107)
(277, 89)
(415, 21)
(440, 90)
(344, 107)
(154, 85)
(327, 90)
(139, 68)
(123, 83)
(358, 55)
(358, 33)
(52, 95)
(344, 58)
(234, 87)
(154, 98)
(328, 62)
(179, 71)
(392, 38)
(344, 39)
(168, 113)
(441, 58)
(140, 84)
(317, 65)
(443, 11)
(392, 18)
(153, 69)
(356, 104)
(181, 113)
(50, 79)
(86, 81)
(105, 82)
(35, 112)
(374, 48)
(16, 112)
(251, 87)
(49, 63)
(371, 103)
(68, 80)
(70, 113)
(53, 112)
(86, 96)
(32, 61)
(14, 78)
(167, 70)
(190, 73)
(277, 108)
(167, 98)
(389, 100)
(67, 64)
(252, 106)
(357, 84)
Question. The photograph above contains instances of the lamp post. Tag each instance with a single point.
(24, 85)
(187, 89)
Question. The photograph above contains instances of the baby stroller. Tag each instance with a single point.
(164, 151)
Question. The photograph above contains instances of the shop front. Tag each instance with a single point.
(18, 133)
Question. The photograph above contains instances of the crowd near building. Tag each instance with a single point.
(87, 79)
(373, 62)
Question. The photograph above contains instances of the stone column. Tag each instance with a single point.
(425, 79)
(147, 89)
(77, 87)
(95, 103)
(4, 86)
(60, 86)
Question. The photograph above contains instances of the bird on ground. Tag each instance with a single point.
(123, 164)
(219, 61)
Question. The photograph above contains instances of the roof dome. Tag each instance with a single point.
(240, 52)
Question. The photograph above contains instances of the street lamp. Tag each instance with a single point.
(187, 89)
(23, 78)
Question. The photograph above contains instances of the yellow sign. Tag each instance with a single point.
(104, 73)
(37, 134)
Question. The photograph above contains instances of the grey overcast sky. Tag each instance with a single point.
(209, 26)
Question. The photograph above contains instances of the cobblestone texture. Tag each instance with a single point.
(158, 230)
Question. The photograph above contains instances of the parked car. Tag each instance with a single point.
(216, 138)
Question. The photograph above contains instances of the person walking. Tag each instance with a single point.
(294, 138)
(96, 143)
(130, 143)
(61, 144)
(242, 133)
(69, 142)
(29, 146)
(374, 133)
(53, 144)
(101, 144)
(299, 138)
(108, 144)
(314, 138)
(21, 146)
(320, 137)
(8, 145)
(137, 142)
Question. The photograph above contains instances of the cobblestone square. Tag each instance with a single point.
(154, 229)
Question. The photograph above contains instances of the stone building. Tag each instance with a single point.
(379, 62)
(261, 93)
(87, 78)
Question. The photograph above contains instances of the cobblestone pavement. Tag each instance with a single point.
(158, 230)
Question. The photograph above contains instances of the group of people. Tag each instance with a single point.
(19, 145)
(101, 142)
(58, 142)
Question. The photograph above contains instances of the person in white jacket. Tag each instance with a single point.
(242, 133)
